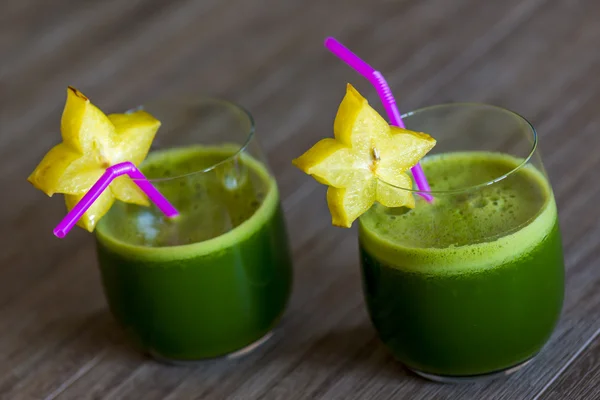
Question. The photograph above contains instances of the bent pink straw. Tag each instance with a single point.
(386, 96)
(101, 184)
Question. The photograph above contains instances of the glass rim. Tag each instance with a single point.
(480, 185)
(249, 135)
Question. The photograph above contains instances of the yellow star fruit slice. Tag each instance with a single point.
(92, 142)
(365, 162)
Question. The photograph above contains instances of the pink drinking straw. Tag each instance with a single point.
(386, 96)
(124, 168)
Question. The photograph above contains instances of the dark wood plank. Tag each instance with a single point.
(580, 380)
(56, 337)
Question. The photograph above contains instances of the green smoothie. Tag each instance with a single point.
(472, 283)
(213, 280)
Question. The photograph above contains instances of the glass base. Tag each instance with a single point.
(472, 378)
(231, 356)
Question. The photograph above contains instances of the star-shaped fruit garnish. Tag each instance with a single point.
(92, 142)
(366, 162)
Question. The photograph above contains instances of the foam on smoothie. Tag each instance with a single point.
(226, 204)
(469, 231)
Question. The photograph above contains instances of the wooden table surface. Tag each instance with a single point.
(57, 340)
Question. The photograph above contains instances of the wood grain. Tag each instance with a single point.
(580, 379)
(57, 340)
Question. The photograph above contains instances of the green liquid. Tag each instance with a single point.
(210, 282)
(472, 283)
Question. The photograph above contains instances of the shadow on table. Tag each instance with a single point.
(354, 350)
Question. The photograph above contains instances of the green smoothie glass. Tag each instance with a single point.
(214, 281)
(470, 285)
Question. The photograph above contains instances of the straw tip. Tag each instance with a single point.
(329, 40)
(172, 214)
(60, 233)
(426, 196)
